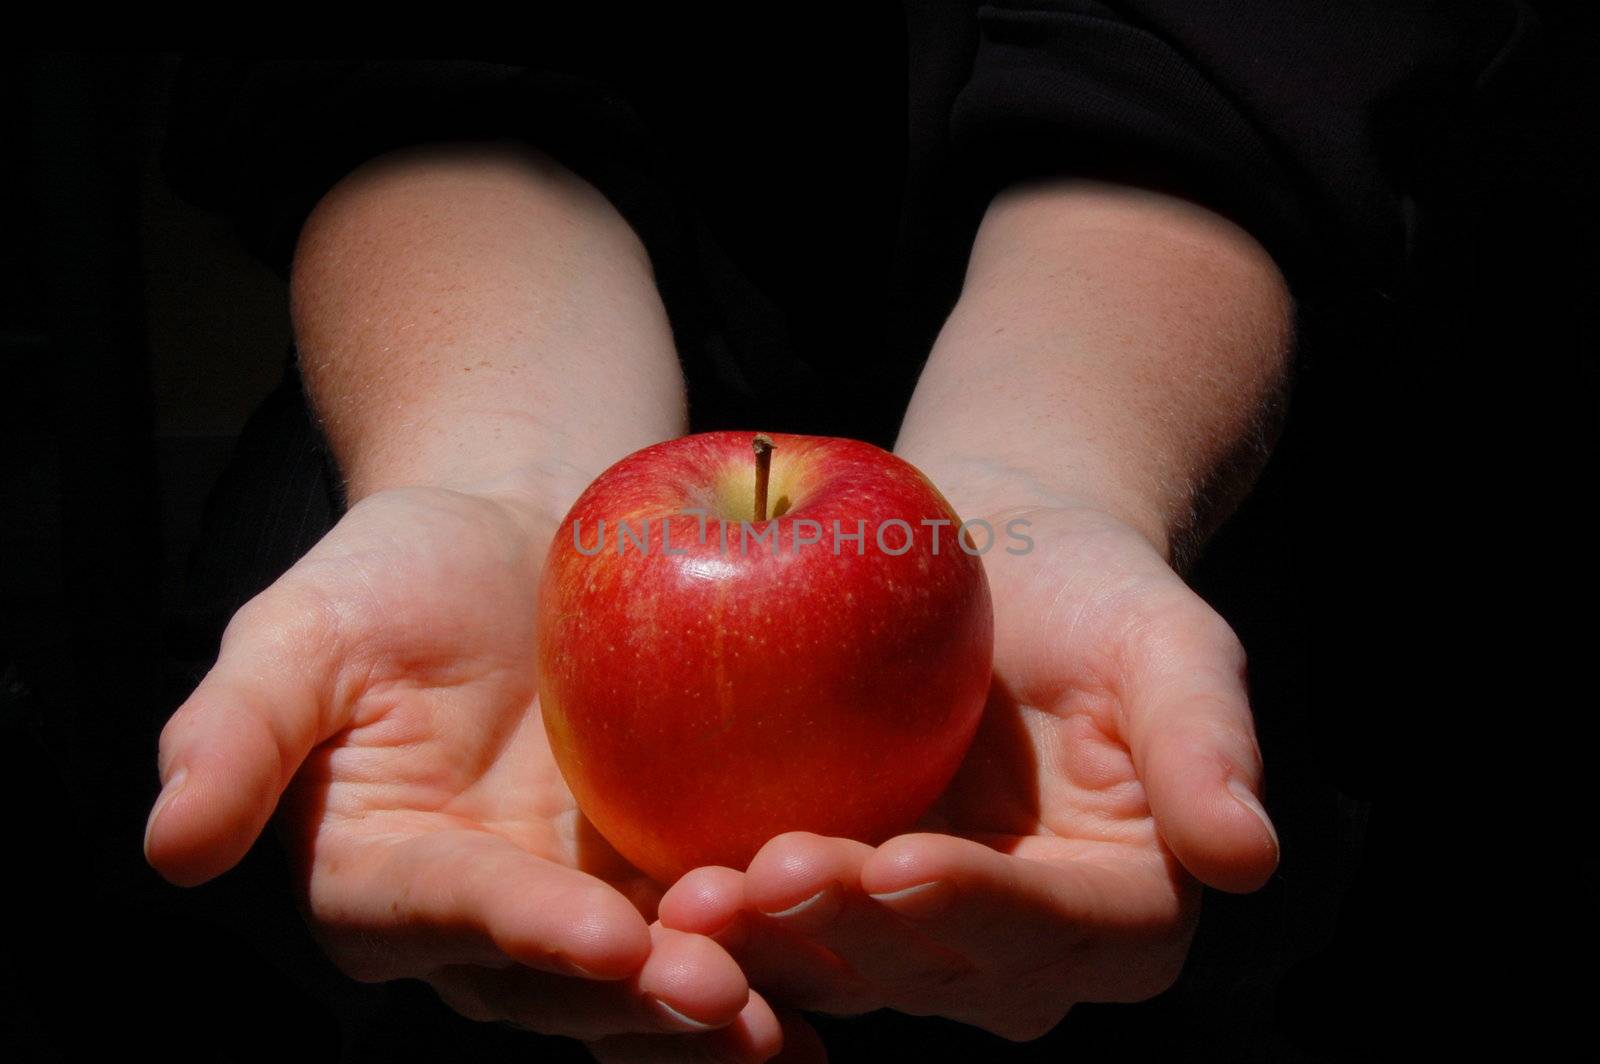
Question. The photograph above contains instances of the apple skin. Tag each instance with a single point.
(700, 703)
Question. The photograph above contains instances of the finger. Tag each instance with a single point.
(689, 985)
(230, 750)
(703, 900)
(801, 1042)
(1193, 743)
(811, 885)
(790, 967)
(755, 1035)
(1009, 914)
(392, 910)
(798, 877)
(692, 978)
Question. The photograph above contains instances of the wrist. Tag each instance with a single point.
(507, 455)
(527, 494)
(525, 497)
(996, 491)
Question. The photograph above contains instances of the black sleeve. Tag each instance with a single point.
(1300, 120)
(263, 140)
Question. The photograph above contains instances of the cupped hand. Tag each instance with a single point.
(382, 696)
(1116, 766)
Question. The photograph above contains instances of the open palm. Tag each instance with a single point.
(1115, 763)
(385, 688)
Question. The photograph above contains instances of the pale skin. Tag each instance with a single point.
(481, 336)
(1109, 348)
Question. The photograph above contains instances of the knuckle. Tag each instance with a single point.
(463, 999)
(950, 978)
(1163, 978)
(367, 970)
(1226, 648)
(1177, 623)
(830, 1005)
(268, 610)
(362, 956)
(1232, 735)
(941, 991)
(468, 1006)
(172, 733)
(1153, 980)
(1027, 1024)
(292, 615)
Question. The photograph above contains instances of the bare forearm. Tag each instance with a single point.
(1112, 348)
(469, 315)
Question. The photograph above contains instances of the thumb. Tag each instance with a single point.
(233, 746)
(1194, 747)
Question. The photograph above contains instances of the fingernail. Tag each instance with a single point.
(577, 969)
(803, 907)
(733, 935)
(677, 1020)
(168, 792)
(1246, 797)
(904, 892)
(921, 899)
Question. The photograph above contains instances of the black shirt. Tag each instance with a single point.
(808, 191)
(808, 187)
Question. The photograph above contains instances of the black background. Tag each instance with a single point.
(137, 336)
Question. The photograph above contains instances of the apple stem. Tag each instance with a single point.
(763, 448)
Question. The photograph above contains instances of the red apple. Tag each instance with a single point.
(715, 679)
